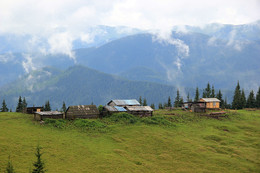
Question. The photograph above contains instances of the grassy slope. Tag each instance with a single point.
(194, 145)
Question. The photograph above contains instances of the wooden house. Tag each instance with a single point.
(211, 103)
(141, 111)
(48, 114)
(81, 111)
(123, 103)
(32, 110)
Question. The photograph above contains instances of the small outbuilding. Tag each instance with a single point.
(211, 103)
(48, 114)
(141, 111)
(198, 107)
(81, 111)
(122, 103)
(32, 110)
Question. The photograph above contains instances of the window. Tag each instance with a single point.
(214, 104)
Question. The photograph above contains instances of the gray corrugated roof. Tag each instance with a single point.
(132, 102)
(210, 99)
(139, 108)
(49, 113)
(114, 108)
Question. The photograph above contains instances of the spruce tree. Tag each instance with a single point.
(169, 102)
(177, 99)
(207, 91)
(4, 107)
(140, 100)
(47, 106)
(145, 102)
(219, 96)
(152, 106)
(9, 168)
(257, 103)
(251, 100)
(24, 104)
(243, 99)
(188, 98)
(160, 106)
(39, 164)
(64, 108)
(237, 104)
(19, 107)
(212, 95)
(197, 95)
(181, 102)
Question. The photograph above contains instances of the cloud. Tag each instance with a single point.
(28, 64)
(7, 57)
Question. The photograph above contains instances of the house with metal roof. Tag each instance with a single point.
(81, 111)
(122, 103)
(141, 111)
(211, 103)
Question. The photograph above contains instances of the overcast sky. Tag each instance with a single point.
(45, 16)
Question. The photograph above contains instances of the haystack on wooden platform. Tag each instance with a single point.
(82, 111)
(48, 114)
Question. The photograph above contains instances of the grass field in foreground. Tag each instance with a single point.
(183, 142)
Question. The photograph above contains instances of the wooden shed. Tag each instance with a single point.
(198, 107)
(211, 103)
(141, 111)
(81, 111)
(122, 103)
(48, 114)
(32, 110)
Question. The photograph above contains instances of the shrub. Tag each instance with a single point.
(89, 124)
(157, 121)
(123, 117)
(59, 123)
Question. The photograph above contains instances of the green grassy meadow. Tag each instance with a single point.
(170, 141)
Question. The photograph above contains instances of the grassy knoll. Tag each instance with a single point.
(171, 141)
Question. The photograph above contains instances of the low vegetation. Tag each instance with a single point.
(170, 141)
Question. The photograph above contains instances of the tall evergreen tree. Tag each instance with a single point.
(177, 99)
(39, 164)
(152, 106)
(188, 98)
(64, 108)
(4, 107)
(19, 107)
(258, 98)
(197, 95)
(225, 103)
(219, 96)
(47, 106)
(140, 100)
(160, 106)
(207, 91)
(169, 102)
(243, 99)
(251, 100)
(212, 95)
(24, 104)
(145, 102)
(236, 103)
(9, 168)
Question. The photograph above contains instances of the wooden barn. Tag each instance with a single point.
(48, 114)
(122, 103)
(81, 111)
(211, 103)
(32, 110)
(198, 107)
(141, 111)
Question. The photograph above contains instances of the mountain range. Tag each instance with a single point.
(123, 66)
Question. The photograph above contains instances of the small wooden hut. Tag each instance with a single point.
(32, 110)
(211, 103)
(48, 114)
(141, 111)
(81, 111)
(198, 107)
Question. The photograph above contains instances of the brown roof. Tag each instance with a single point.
(83, 110)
